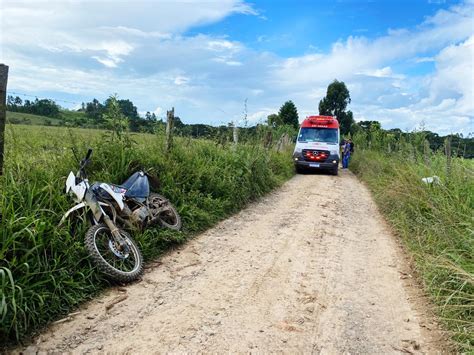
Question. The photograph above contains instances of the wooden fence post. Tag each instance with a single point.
(169, 129)
(447, 151)
(282, 142)
(268, 139)
(235, 133)
(427, 153)
(3, 110)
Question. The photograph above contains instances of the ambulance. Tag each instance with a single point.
(317, 144)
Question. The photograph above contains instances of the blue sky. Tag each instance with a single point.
(406, 63)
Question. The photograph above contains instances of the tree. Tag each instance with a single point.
(289, 114)
(129, 109)
(116, 121)
(368, 125)
(335, 104)
(45, 107)
(274, 120)
(95, 109)
(178, 123)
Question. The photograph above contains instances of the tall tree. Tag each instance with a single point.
(289, 114)
(274, 120)
(335, 104)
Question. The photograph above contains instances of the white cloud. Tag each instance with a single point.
(222, 45)
(424, 60)
(395, 98)
(108, 62)
(142, 52)
(447, 104)
(181, 80)
(107, 33)
(260, 116)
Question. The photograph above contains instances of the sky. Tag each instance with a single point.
(407, 63)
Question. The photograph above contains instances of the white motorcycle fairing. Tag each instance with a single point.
(70, 181)
(78, 207)
(79, 189)
(118, 197)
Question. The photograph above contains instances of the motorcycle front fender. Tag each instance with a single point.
(78, 207)
(75, 208)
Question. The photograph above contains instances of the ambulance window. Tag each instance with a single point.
(314, 134)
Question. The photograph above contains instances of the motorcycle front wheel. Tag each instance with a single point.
(121, 264)
(169, 217)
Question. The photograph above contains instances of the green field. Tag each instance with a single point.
(28, 119)
(44, 270)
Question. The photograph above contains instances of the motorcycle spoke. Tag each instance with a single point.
(125, 263)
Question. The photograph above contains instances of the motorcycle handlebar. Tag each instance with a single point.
(82, 169)
(89, 153)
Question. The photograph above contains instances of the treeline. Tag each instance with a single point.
(93, 114)
(96, 114)
(43, 107)
(371, 135)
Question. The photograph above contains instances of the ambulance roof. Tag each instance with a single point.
(320, 122)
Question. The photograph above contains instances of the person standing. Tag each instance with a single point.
(351, 143)
(346, 154)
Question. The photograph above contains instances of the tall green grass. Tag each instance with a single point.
(436, 222)
(44, 270)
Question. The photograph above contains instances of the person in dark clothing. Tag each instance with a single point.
(351, 144)
(346, 155)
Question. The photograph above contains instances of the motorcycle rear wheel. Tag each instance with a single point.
(168, 218)
(120, 266)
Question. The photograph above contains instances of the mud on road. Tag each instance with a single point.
(311, 268)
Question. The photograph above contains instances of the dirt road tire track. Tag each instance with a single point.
(311, 268)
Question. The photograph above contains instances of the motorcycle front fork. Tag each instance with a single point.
(115, 232)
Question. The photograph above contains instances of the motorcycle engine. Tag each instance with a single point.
(139, 215)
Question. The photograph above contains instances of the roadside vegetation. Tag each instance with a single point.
(434, 220)
(45, 271)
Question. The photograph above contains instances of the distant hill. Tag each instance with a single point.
(66, 118)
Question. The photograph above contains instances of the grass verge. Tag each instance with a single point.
(436, 224)
(44, 270)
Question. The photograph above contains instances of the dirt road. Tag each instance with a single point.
(311, 268)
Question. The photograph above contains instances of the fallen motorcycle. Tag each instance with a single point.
(112, 210)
